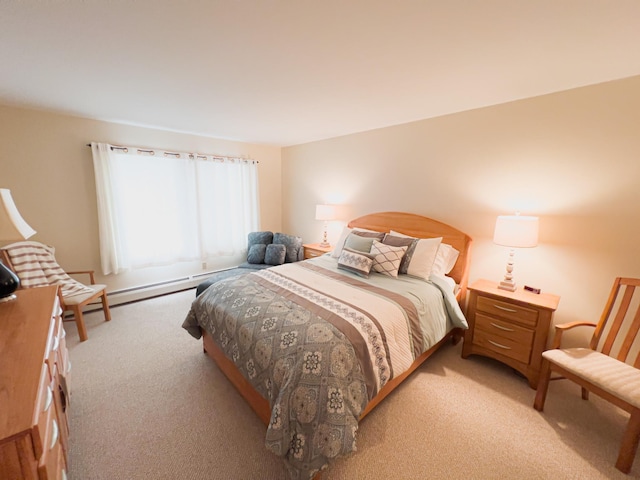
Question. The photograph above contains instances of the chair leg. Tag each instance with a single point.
(543, 385)
(585, 394)
(629, 445)
(105, 306)
(82, 328)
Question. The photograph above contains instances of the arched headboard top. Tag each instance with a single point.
(423, 227)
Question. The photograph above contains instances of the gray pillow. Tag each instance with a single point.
(357, 242)
(292, 243)
(275, 254)
(256, 253)
(259, 237)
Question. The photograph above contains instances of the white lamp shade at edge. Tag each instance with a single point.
(516, 231)
(12, 225)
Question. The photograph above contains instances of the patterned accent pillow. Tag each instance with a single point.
(387, 258)
(408, 242)
(292, 243)
(424, 254)
(256, 253)
(356, 262)
(275, 254)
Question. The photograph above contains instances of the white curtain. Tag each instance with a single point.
(157, 208)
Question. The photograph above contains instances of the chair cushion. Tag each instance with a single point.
(292, 243)
(611, 375)
(255, 238)
(80, 298)
(275, 254)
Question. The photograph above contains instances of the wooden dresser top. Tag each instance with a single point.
(25, 328)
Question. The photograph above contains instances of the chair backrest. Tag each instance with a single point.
(36, 266)
(617, 332)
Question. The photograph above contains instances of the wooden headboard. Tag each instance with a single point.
(424, 227)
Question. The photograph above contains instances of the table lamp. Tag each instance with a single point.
(326, 213)
(12, 228)
(515, 231)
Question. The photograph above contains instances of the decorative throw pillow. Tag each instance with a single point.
(255, 238)
(356, 262)
(387, 258)
(292, 243)
(408, 242)
(358, 231)
(358, 242)
(275, 254)
(256, 253)
(424, 254)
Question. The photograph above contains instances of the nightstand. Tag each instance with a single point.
(511, 327)
(312, 250)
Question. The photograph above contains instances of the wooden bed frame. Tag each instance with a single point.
(408, 224)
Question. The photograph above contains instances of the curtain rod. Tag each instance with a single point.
(177, 154)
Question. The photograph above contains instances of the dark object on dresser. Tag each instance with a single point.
(264, 249)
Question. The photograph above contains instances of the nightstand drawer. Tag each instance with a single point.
(509, 311)
(510, 331)
(504, 346)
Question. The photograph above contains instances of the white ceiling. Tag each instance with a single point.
(285, 72)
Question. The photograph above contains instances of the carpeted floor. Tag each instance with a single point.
(148, 404)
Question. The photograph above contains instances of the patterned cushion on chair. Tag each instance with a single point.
(256, 238)
(293, 244)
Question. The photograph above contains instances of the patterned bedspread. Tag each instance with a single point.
(318, 344)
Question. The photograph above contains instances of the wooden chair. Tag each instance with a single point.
(73, 295)
(610, 367)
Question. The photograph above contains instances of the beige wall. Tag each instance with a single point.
(45, 162)
(572, 158)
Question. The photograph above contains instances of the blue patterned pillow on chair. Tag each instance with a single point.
(293, 245)
(275, 254)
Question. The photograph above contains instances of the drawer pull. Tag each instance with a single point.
(502, 328)
(64, 474)
(499, 345)
(510, 310)
(56, 343)
(55, 434)
(48, 399)
(68, 366)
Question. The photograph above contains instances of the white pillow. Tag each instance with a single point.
(445, 259)
(386, 258)
(421, 262)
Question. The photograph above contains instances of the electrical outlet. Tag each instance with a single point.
(204, 265)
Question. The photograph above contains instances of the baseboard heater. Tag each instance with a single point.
(141, 292)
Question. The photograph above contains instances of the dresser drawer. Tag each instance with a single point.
(44, 408)
(509, 311)
(51, 463)
(504, 346)
(507, 330)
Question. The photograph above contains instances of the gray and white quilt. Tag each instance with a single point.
(318, 343)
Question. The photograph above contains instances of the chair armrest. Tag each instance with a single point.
(84, 272)
(563, 327)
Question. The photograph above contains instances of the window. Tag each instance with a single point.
(158, 208)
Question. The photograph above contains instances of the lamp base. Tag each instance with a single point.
(8, 298)
(508, 285)
(324, 244)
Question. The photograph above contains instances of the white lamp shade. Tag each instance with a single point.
(516, 231)
(325, 212)
(12, 225)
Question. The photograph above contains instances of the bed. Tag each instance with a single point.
(314, 346)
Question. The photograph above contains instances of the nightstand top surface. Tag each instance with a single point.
(317, 246)
(543, 300)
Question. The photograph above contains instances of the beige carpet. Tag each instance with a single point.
(148, 404)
